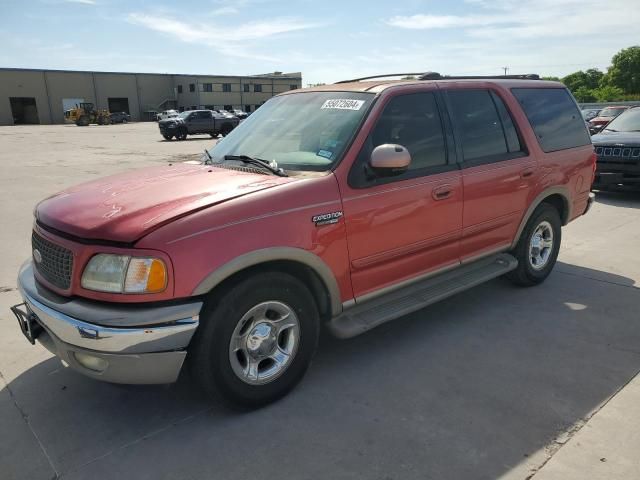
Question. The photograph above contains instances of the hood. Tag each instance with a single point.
(171, 120)
(125, 207)
(625, 139)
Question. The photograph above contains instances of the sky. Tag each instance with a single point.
(326, 40)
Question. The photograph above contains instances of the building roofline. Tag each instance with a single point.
(295, 75)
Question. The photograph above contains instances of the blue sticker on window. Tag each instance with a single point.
(325, 154)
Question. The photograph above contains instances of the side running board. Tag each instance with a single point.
(364, 317)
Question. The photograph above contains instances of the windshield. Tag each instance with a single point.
(300, 131)
(183, 114)
(629, 121)
(611, 112)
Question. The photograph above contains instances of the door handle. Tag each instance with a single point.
(441, 192)
(527, 173)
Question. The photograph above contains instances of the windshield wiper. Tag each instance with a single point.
(210, 158)
(258, 162)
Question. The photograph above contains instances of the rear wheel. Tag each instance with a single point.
(538, 247)
(256, 340)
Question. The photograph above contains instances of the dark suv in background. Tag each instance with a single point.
(618, 150)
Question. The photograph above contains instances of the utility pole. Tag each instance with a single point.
(506, 69)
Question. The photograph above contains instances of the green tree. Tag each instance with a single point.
(589, 79)
(553, 79)
(593, 77)
(608, 93)
(624, 72)
(584, 95)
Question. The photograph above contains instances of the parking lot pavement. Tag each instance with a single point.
(492, 383)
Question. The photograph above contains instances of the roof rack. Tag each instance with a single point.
(437, 76)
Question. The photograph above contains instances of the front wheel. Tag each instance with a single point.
(182, 135)
(167, 137)
(538, 247)
(256, 340)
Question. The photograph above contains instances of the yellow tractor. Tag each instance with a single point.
(86, 113)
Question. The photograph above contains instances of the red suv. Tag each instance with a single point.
(347, 205)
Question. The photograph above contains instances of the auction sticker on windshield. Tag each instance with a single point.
(343, 104)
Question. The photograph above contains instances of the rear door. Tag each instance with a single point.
(498, 173)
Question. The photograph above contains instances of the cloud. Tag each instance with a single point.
(82, 2)
(233, 42)
(528, 19)
(224, 11)
(425, 22)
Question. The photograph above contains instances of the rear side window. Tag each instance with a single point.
(484, 126)
(554, 116)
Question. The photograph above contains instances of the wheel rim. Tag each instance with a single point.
(264, 342)
(541, 245)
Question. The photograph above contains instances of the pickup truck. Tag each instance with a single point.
(195, 122)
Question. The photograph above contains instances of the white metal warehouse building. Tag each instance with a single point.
(30, 96)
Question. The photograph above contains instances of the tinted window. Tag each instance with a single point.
(554, 116)
(478, 124)
(412, 121)
(510, 133)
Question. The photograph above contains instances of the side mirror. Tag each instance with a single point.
(390, 159)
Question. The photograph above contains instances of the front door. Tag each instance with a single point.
(401, 227)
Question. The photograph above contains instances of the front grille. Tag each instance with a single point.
(56, 262)
(607, 151)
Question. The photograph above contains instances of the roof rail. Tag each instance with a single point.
(525, 76)
(419, 75)
(437, 76)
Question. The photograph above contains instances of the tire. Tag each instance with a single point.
(168, 137)
(83, 121)
(213, 135)
(251, 310)
(538, 247)
(226, 130)
(124, 120)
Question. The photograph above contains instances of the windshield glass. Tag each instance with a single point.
(629, 121)
(184, 114)
(611, 112)
(300, 131)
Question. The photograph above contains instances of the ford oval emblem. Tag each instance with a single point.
(37, 256)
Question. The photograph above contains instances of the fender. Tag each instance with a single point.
(265, 255)
(559, 190)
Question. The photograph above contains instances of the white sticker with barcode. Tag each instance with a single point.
(343, 104)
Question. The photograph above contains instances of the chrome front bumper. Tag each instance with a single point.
(137, 344)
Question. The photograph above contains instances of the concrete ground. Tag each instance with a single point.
(497, 382)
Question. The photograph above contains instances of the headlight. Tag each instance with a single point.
(124, 274)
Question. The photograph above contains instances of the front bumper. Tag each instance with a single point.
(135, 344)
(618, 172)
(169, 129)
